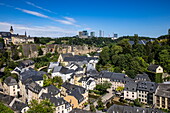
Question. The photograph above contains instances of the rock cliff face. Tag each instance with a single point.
(30, 50)
(77, 50)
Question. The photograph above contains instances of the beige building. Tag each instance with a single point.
(10, 37)
(155, 68)
(10, 86)
(146, 91)
(116, 79)
(77, 96)
(34, 91)
(162, 96)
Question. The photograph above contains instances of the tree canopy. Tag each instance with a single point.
(4, 109)
(45, 106)
(134, 59)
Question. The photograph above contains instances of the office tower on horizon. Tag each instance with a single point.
(100, 33)
(92, 34)
(83, 34)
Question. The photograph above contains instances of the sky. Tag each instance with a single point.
(57, 18)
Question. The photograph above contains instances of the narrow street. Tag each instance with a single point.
(104, 99)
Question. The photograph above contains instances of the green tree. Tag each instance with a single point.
(127, 48)
(40, 52)
(58, 81)
(164, 59)
(45, 106)
(115, 50)
(119, 88)
(103, 87)
(104, 55)
(4, 109)
(47, 81)
(100, 104)
(92, 108)
(137, 103)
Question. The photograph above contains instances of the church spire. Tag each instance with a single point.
(11, 30)
(25, 33)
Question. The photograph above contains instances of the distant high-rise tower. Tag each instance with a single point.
(103, 33)
(115, 35)
(83, 34)
(169, 32)
(100, 33)
(11, 30)
(92, 34)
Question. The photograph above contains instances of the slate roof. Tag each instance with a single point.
(92, 73)
(121, 77)
(57, 69)
(5, 34)
(163, 90)
(142, 77)
(18, 106)
(34, 87)
(6, 98)
(147, 86)
(45, 96)
(66, 55)
(153, 67)
(17, 69)
(34, 75)
(52, 90)
(89, 82)
(10, 81)
(128, 109)
(53, 64)
(131, 86)
(76, 110)
(71, 87)
(83, 79)
(59, 101)
(26, 63)
(63, 70)
(143, 42)
(66, 70)
(75, 91)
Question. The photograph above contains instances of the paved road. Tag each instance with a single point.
(41, 68)
(107, 95)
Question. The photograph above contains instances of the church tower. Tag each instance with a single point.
(25, 34)
(11, 30)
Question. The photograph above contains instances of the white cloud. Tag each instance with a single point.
(32, 4)
(67, 22)
(88, 28)
(45, 31)
(32, 13)
(70, 19)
